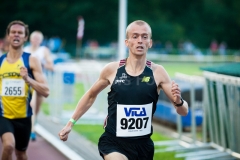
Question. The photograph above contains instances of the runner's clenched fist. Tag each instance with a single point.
(24, 73)
(176, 92)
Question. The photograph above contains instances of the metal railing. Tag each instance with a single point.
(223, 111)
(220, 127)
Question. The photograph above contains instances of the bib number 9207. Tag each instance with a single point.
(133, 123)
(13, 91)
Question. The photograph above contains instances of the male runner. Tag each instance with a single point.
(20, 73)
(43, 54)
(135, 86)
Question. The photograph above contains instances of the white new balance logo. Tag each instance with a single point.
(119, 81)
(123, 75)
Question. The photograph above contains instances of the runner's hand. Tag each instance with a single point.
(24, 73)
(176, 92)
(63, 134)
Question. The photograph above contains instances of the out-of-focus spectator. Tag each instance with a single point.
(168, 47)
(214, 46)
(188, 47)
(54, 44)
(222, 48)
(114, 44)
(43, 54)
(180, 47)
(93, 44)
(3, 46)
(198, 54)
(157, 45)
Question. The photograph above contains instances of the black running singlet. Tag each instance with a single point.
(132, 103)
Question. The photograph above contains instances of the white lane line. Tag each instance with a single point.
(58, 144)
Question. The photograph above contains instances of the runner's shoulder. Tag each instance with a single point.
(157, 67)
(109, 70)
(111, 67)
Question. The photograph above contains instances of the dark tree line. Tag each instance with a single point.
(200, 20)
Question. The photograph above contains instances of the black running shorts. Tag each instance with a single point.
(142, 149)
(21, 129)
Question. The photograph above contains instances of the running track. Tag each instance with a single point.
(41, 150)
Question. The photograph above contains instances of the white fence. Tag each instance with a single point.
(62, 83)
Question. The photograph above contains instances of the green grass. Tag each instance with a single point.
(45, 108)
(185, 68)
(163, 155)
(78, 93)
(91, 132)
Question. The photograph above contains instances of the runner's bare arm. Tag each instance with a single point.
(170, 88)
(89, 97)
(49, 62)
(40, 83)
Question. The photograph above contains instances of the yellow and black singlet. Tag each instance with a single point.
(15, 93)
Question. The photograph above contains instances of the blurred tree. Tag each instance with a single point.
(171, 20)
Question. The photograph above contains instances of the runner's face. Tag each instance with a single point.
(16, 36)
(36, 39)
(139, 39)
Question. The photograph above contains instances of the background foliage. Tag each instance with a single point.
(198, 20)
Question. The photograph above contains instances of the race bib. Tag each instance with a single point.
(134, 120)
(13, 87)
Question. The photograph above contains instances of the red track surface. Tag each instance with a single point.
(40, 150)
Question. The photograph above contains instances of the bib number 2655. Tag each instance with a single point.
(13, 87)
(13, 91)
